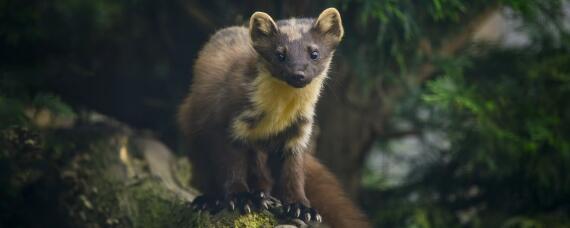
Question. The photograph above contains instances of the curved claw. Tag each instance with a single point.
(206, 203)
(265, 205)
(247, 202)
(241, 201)
(308, 214)
(319, 218)
(247, 209)
(263, 201)
(232, 205)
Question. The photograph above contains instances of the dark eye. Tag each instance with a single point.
(314, 55)
(281, 57)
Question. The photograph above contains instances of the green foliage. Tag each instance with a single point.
(399, 28)
(52, 103)
(11, 112)
(505, 114)
(521, 112)
(510, 145)
(22, 111)
(392, 39)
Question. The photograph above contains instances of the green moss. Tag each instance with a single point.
(183, 171)
(255, 220)
(149, 205)
(129, 195)
(227, 220)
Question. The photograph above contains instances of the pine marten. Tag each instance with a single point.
(249, 116)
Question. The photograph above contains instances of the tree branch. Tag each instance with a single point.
(199, 14)
(400, 134)
(457, 42)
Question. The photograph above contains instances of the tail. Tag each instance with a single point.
(326, 195)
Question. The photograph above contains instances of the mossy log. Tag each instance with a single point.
(100, 173)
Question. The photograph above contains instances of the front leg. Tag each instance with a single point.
(232, 177)
(289, 169)
(259, 174)
(226, 166)
(260, 180)
(291, 189)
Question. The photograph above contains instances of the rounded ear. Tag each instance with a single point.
(261, 26)
(329, 24)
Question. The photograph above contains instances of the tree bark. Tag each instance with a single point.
(344, 133)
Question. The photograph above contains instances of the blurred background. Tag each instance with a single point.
(439, 113)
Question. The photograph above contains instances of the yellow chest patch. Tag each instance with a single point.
(278, 104)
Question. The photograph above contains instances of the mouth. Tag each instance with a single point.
(298, 83)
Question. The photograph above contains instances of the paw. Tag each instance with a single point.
(207, 203)
(262, 201)
(246, 202)
(300, 211)
(241, 202)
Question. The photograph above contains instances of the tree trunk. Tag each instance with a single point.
(100, 174)
(345, 134)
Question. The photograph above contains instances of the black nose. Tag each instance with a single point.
(300, 77)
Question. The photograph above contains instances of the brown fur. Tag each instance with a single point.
(327, 196)
(248, 121)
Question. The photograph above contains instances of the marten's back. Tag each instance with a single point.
(224, 68)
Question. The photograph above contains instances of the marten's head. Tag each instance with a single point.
(296, 50)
